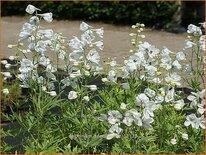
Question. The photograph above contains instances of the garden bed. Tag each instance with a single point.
(83, 107)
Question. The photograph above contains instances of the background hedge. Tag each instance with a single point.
(153, 14)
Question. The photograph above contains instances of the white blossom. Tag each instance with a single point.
(72, 95)
(5, 91)
(47, 17)
(185, 136)
(31, 9)
(195, 121)
(93, 56)
(114, 116)
(173, 141)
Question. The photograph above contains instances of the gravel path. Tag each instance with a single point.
(116, 38)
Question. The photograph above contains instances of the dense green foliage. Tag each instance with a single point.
(154, 14)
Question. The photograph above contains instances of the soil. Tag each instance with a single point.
(116, 38)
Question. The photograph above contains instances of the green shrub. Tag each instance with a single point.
(153, 14)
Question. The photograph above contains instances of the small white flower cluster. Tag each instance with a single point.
(116, 119)
(197, 102)
(83, 60)
(87, 43)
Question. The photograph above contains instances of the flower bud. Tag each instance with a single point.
(87, 73)
(105, 80)
(142, 25)
(86, 98)
(5, 91)
(133, 26)
(4, 62)
(10, 46)
(93, 87)
(73, 75)
(185, 136)
(53, 93)
(76, 63)
(162, 93)
(7, 66)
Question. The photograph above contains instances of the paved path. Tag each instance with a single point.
(116, 38)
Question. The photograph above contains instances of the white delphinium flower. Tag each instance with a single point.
(114, 116)
(84, 26)
(128, 119)
(194, 30)
(179, 104)
(72, 95)
(123, 106)
(201, 108)
(180, 56)
(76, 45)
(34, 20)
(114, 132)
(125, 86)
(147, 122)
(149, 92)
(195, 121)
(153, 52)
(151, 70)
(159, 99)
(99, 45)
(86, 98)
(141, 99)
(130, 65)
(176, 65)
(44, 61)
(4, 62)
(75, 57)
(197, 100)
(188, 44)
(173, 141)
(131, 116)
(112, 76)
(187, 68)
(113, 63)
(30, 9)
(47, 33)
(5, 91)
(185, 136)
(93, 56)
(99, 32)
(173, 79)
(149, 107)
(144, 46)
(136, 117)
(87, 37)
(23, 35)
(27, 27)
(170, 93)
(47, 17)
(26, 66)
(61, 54)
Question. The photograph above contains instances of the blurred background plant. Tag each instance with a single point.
(157, 14)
